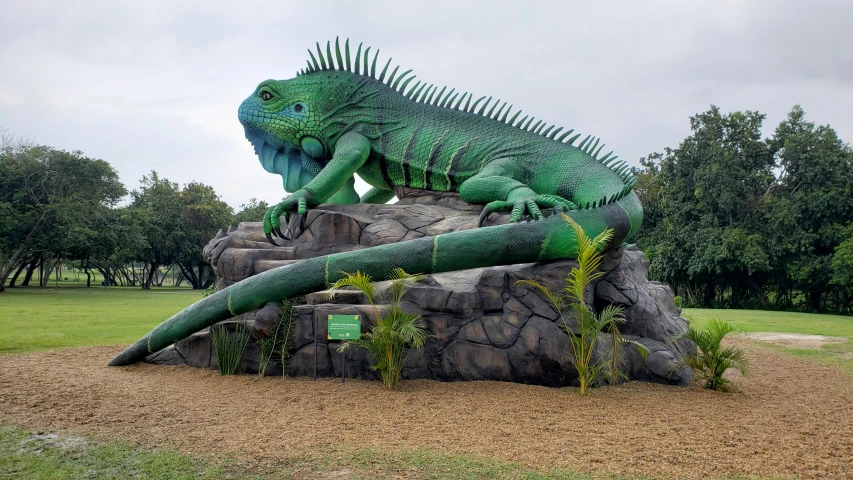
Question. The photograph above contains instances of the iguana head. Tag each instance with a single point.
(283, 126)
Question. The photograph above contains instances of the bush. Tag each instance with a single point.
(229, 348)
(391, 334)
(711, 360)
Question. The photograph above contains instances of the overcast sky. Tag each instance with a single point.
(156, 85)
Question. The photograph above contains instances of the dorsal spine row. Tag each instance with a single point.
(421, 93)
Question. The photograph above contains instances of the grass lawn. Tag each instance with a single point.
(840, 354)
(51, 456)
(42, 319)
(23, 455)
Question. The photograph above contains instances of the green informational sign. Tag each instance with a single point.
(344, 327)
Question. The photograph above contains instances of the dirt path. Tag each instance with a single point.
(791, 417)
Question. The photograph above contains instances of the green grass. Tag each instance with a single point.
(840, 354)
(25, 456)
(426, 465)
(43, 319)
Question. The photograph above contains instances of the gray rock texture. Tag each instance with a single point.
(482, 325)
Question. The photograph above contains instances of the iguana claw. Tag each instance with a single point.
(269, 239)
(280, 234)
(272, 218)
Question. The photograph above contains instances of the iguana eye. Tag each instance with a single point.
(297, 108)
(266, 96)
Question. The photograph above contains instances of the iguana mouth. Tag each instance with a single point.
(295, 166)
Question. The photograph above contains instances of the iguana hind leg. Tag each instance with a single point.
(500, 192)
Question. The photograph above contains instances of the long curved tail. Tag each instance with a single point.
(548, 239)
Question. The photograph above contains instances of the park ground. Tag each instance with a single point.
(63, 414)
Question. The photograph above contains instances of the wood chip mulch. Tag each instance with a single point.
(791, 417)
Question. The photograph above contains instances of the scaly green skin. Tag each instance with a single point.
(322, 127)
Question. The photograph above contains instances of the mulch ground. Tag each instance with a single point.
(791, 417)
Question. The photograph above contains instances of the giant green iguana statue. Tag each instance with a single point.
(338, 118)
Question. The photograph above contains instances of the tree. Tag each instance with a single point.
(842, 270)
(47, 199)
(253, 211)
(157, 206)
(709, 190)
(203, 213)
(809, 205)
(176, 224)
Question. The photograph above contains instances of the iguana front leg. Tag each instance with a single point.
(351, 152)
(499, 191)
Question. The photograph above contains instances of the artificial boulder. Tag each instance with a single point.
(481, 324)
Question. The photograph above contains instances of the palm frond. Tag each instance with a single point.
(358, 280)
(555, 299)
(401, 282)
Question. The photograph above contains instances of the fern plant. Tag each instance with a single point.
(229, 347)
(393, 332)
(570, 302)
(712, 360)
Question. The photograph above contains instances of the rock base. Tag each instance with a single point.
(481, 325)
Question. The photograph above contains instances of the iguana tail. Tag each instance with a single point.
(547, 239)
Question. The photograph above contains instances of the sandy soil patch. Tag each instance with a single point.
(793, 340)
(788, 419)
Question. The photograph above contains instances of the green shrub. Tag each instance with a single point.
(392, 333)
(711, 359)
(229, 347)
(679, 302)
(589, 324)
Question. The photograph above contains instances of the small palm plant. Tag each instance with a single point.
(569, 302)
(711, 359)
(393, 332)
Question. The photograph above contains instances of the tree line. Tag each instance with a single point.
(731, 219)
(734, 220)
(63, 207)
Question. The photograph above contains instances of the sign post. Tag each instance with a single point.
(344, 327)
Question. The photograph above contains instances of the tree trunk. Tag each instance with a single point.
(710, 294)
(17, 273)
(45, 280)
(190, 275)
(146, 282)
(30, 270)
(814, 300)
(163, 276)
(7, 269)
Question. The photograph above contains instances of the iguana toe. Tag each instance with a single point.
(490, 207)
